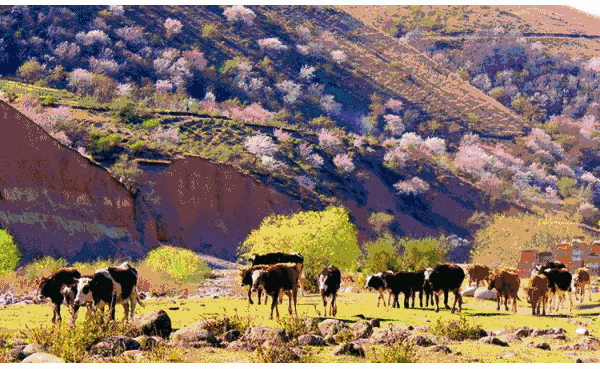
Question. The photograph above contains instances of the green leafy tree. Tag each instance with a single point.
(31, 71)
(423, 252)
(177, 264)
(567, 187)
(322, 238)
(382, 254)
(9, 253)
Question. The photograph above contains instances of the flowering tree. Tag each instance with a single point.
(117, 10)
(394, 124)
(173, 26)
(260, 145)
(239, 13)
(81, 80)
(66, 50)
(272, 44)
(92, 37)
(329, 141)
(163, 85)
(414, 186)
(291, 90)
(307, 72)
(134, 35)
(344, 163)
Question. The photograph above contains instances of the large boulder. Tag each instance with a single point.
(43, 357)
(469, 291)
(483, 293)
(362, 329)
(330, 327)
(115, 345)
(194, 332)
(391, 333)
(311, 340)
(155, 323)
(259, 334)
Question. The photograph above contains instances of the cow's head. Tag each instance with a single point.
(84, 292)
(492, 281)
(368, 281)
(257, 280)
(427, 275)
(252, 258)
(43, 288)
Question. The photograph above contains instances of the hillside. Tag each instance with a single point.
(211, 118)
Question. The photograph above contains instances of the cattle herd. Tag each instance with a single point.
(279, 274)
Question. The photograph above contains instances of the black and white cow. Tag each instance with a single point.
(108, 287)
(442, 279)
(330, 280)
(52, 288)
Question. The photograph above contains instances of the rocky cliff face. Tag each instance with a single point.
(55, 202)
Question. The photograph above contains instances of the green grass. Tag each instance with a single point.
(38, 92)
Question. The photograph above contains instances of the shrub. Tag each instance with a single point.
(322, 238)
(260, 145)
(173, 26)
(322, 122)
(423, 252)
(43, 267)
(92, 37)
(329, 142)
(272, 43)
(458, 329)
(399, 352)
(383, 254)
(567, 187)
(9, 253)
(104, 144)
(151, 123)
(339, 56)
(177, 264)
(31, 71)
(414, 186)
(343, 162)
(394, 124)
(380, 220)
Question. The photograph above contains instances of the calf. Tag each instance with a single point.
(537, 294)
(329, 283)
(276, 279)
(110, 286)
(379, 284)
(507, 285)
(478, 273)
(52, 288)
(279, 258)
(581, 279)
(248, 276)
(443, 279)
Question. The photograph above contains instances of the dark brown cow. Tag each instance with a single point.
(445, 278)
(478, 273)
(537, 294)
(507, 285)
(279, 278)
(52, 287)
(581, 279)
(248, 276)
(330, 280)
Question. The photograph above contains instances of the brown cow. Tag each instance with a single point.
(52, 287)
(581, 278)
(279, 278)
(537, 294)
(478, 273)
(507, 285)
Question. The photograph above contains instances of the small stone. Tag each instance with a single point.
(375, 323)
(582, 331)
(311, 340)
(578, 360)
(493, 341)
(542, 346)
(33, 348)
(523, 332)
(441, 348)
(231, 335)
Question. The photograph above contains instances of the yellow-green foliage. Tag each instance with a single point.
(502, 240)
(423, 252)
(43, 267)
(90, 267)
(458, 329)
(383, 254)
(9, 253)
(322, 238)
(177, 264)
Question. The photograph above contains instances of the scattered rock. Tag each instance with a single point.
(33, 348)
(194, 332)
(259, 334)
(331, 326)
(541, 346)
(240, 345)
(349, 349)
(134, 354)
(231, 335)
(115, 345)
(16, 353)
(483, 293)
(493, 341)
(441, 348)
(469, 291)
(148, 342)
(311, 340)
(155, 323)
(312, 325)
(523, 332)
(43, 357)
(375, 323)
(547, 331)
(390, 334)
(362, 329)
(582, 331)
(419, 340)
(510, 338)
(578, 360)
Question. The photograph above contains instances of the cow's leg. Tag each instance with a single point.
(289, 295)
(324, 303)
(126, 309)
(407, 298)
(250, 302)
(295, 294)
(437, 302)
(334, 304)
(506, 301)
(515, 304)
(544, 301)
(74, 313)
(457, 298)
(396, 298)
(274, 304)
(446, 299)
(380, 297)
(420, 298)
(589, 285)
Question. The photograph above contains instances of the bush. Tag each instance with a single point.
(9, 253)
(151, 123)
(383, 254)
(90, 267)
(401, 352)
(177, 264)
(458, 329)
(30, 71)
(424, 252)
(502, 239)
(322, 238)
(104, 144)
(44, 267)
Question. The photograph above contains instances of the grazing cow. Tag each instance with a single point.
(279, 258)
(52, 288)
(330, 280)
(537, 294)
(478, 273)
(507, 285)
(443, 279)
(276, 279)
(400, 282)
(110, 286)
(581, 279)
(379, 284)
(416, 281)
(248, 276)
(559, 281)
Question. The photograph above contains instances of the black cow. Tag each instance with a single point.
(378, 283)
(275, 258)
(52, 287)
(559, 283)
(417, 283)
(445, 278)
(110, 286)
(400, 282)
(330, 280)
